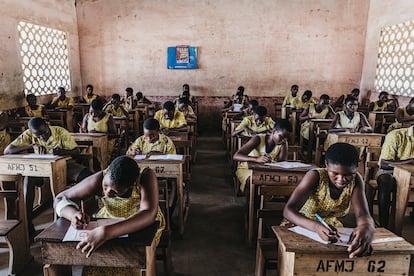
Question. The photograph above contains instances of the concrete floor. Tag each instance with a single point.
(214, 240)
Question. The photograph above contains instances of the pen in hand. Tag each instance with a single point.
(83, 213)
(331, 229)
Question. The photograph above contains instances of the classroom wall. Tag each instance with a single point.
(59, 14)
(381, 14)
(264, 45)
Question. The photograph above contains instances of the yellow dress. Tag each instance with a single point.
(243, 171)
(164, 144)
(118, 207)
(249, 122)
(289, 99)
(68, 101)
(177, 121)
(343, 122)
(4, 140)
(89, 100)
(38, 112)
(304, 128)
(101, 126)
(321, 202)
(396, 124)
(376, 107)
(299, 104)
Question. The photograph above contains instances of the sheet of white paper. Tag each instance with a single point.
(74, 234)
(289, 165)
(140, 157)
(344, 234)
(166, 157)
(39, 156)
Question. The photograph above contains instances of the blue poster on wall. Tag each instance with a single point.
(182, 57)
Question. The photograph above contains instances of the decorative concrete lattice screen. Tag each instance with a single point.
(45, 61)
(395, 68)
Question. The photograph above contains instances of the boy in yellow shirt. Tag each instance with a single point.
(256, 123)
(292, 96)
(61, 100)
(169, 118)
(115, 107)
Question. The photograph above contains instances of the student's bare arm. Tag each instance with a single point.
(386, 164)
(11, 149)
(365, 126)
(283, 154)
(362, 235)
(84, 127)
(304, 116)
(242, 153)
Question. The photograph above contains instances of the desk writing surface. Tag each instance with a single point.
(27, 166)
(299, 255)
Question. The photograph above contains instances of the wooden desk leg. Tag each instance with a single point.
(180, 190)
(402, 178)
(58, 178)
(150, 259)
(57, 270)
(251, 214)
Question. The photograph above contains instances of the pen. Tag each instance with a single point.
(83, 211)
(320, 219)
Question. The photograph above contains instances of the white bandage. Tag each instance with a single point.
(64, 202)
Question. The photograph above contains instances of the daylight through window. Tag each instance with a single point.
(45, 61)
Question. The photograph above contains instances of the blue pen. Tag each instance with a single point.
(320, 219)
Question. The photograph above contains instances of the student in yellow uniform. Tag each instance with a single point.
(383, 104)
(61, 100)
(322, 110)
(141, 99)
(169, 118)
(329, 192)
(32, 109)
(185, 94)
(4, 136)
(128, 99)
(124, 191)
(398, 148)
(304, 101)
(115, 107)
(152, 141)
(255, 124)
(185, 107)
(238, 101)
(263, 148)
(293, 96)
(98, 121)
(44, 139)
(340, 102)
(404, 116)
(248, 111)
(348, 120)
(89, 97)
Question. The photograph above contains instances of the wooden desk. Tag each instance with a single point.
(53, 168)
(375, 119)
(358, 139)
(313, 125)
(299, 255)
(293, 116)
(67, 115)
(99, 142)
(170, 169)
(402, 175)
(136, 251)
(271, 176)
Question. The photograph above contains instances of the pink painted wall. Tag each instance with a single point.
(264, 45)
(381, 14)
(51, 13)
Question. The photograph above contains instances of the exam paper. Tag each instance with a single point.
(344, 234)
(288, 165)
(74, 234)
(166, 157)
(39, 156)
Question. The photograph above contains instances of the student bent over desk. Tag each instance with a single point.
(125, 192)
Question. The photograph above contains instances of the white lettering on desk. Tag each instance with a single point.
(22, 167)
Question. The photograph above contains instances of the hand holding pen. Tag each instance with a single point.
(264, 159)
(326, 231)
(80, 220)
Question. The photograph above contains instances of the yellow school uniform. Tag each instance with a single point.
(188, 111)
(376, 107)
(38, 112)
(59, 138)
(119, 207)
(102, 126)
(396, 124)
(343, 122)
(243, 171)
(89, 100)
(289, 99)
(68, 101)
(164, 144)
(304, 128)
(299, 104)
(249, 122)
(4, 140)
(177, 121)
(398, 145)
(116, 112)
(321, 202)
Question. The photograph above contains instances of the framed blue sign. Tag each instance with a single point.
(182, 57)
